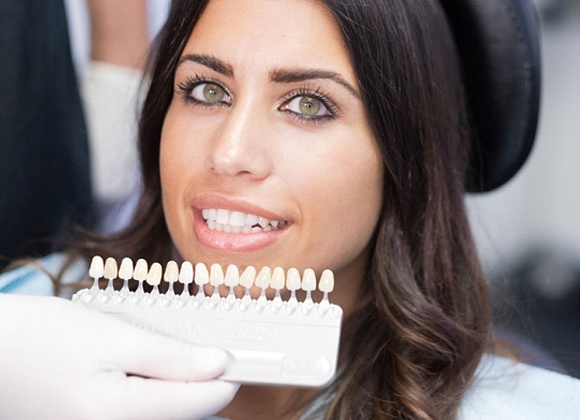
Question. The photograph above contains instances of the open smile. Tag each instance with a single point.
(223, 220)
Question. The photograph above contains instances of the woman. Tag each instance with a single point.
(278, 123)
(356, 150)
(342, 127)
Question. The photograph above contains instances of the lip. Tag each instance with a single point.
(233, 242)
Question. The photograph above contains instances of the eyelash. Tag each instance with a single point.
(187, 87)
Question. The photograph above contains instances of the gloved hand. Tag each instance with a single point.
(60, 360)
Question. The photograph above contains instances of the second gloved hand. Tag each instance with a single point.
(61, 360)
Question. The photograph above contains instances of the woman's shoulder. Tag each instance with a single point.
(37, 276)
(519, 391)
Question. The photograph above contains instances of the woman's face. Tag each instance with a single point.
(267, 157)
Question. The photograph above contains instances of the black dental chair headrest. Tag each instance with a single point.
(498, 43)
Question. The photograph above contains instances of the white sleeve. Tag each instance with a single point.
(111, 98)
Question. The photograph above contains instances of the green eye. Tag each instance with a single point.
(309, 106)
(213, 93)
(210, 94)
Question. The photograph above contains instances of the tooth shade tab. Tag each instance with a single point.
(141, 270)
(278, 279)
(154, 275)
(186, 273)
(216, 276)
(171, 272)
(232, 277)
(326, 283)
(201, 274)
(309, 280)
(264, 277)
(110, 271)
(293, 281)
(97, 267)
(126, 269)
(248, 277)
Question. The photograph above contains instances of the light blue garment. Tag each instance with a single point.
(502, 389)
(34, 279)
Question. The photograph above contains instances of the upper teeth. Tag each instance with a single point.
(238, 222)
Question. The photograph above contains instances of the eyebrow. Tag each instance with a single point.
(277, 76)
(292, 76)
(213, 63)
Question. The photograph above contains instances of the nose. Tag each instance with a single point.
(240, 145)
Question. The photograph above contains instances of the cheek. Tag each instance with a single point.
(357, 205)
(345, 197)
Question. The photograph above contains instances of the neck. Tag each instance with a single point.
(254, 402)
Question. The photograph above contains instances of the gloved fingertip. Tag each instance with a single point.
(211, 361)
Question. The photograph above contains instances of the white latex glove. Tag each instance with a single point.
(60, 360)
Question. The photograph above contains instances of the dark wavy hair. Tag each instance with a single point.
(412, 345)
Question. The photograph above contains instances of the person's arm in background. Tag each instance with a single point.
(119, 32)
(120, 38)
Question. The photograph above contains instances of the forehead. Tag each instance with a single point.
(271, 33)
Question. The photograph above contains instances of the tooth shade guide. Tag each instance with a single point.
(261, 339)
